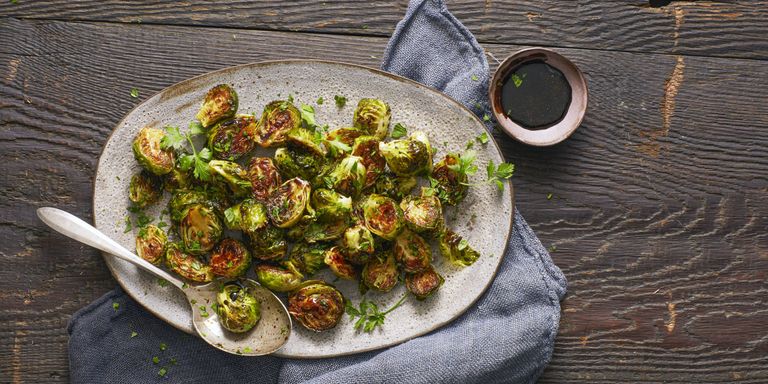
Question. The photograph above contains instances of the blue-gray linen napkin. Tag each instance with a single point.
(506, 337)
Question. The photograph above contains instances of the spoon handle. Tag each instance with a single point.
(73, 227)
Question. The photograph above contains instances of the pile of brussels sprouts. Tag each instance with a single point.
(343, 198)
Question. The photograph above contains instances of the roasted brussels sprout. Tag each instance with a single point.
(279, 118)
(373, 116)
(145, 189)
(285, 278)
(325, 230)
(232, 139)
(186, 265)
(382, 216)
(264, 177)
(367, 148)
(358, 243)
(220, 103)
(380, 272)
(304, 140)
(287, 205)
(393, 186)
(184, 198)
(423, 214)
(297, 164)
(237, 308)
(232, 174)
(149, 152)
(230, 258)
(317, 305)
(337, 262)
(408, 157)
(345, 135)
(248, 216)
(456, 249)
(199, 229)
(308, 258)
(150, 244)
(348, 177)
(177, 179)
(423, 284)
(329, 204)
(451, 185)
(412, 252)
(268, 243)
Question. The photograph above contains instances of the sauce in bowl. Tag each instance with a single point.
(535, 95)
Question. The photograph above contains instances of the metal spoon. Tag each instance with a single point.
(269, 334)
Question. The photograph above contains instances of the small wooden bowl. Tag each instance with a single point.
(572, 118)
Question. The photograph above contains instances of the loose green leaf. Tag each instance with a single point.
(134, 334)
(474, 78)
(486, 117)
(162, 372)
(399, 131)
(128, 225)
(504, 171)
(368, 314)
(134, 92)
(115, 305)
(483, 138)
(195, 128)
(162, 282)
(517, 80)
(549, 196)
(341, 101)
(308, 115)
(156, 360)
(320, 100)
(173, 138)
(466, 164)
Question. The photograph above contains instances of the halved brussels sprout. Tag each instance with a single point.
(248, 216)
(367, 148)
(232, 174)
(348, 177)
(285, 278)
(278, 118)
(145, 189)
(220, 103)
(358, 243)
(268, 243)
(186, 265)
(264, 177)
(297, 164)
(230, 258)
(373, 116)
(308, 258)
(423, 214)
(380, 272)
(412, 252)
(325, 230)
(287, 205)
(304, 140)
(177, 179)
(456, 249)
(451, 185)
(382, 216)
(336, 261)
(150, 244)
(148, 151)
(199, 229)
(184, 198)
(408, 157)
(393, 186)
(317, 305)
(239, 311)
(346, 135)
(423, 284)
(329, 204)
(232, 139)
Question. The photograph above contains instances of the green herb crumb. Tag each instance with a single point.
(115, 305)
(134, 334)
(156, 360)
(134, 92)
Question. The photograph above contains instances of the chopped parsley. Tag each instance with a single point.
(308, 115)
(115, 305)
(134, 92)
(518, 80)
(162, 282)
(399, 131)
(483, 138)
(369, 316)
(163, 346)
(341, 101)
(162, 372)
(156, 360)
(549, 196)
(134, 334)
(552, 248)
(320, 100)
(474, 78)
(486, 118)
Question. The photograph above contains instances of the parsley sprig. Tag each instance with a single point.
(368, 314)
(466, 164)
(496, 174)
(197, 159)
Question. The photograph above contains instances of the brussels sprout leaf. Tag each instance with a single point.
(399, 131)
(369, 316)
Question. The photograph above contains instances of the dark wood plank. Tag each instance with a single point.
(658, 210)
(715, 28)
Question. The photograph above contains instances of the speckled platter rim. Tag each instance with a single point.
(182, 85)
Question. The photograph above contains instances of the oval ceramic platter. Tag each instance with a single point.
(484, 218)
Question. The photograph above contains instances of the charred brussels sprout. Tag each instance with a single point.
(317, 305)
(423, 214)
(408, 157)
(287, 205)
(149, 152)
(451, 185)
(232, 174)
(358, 243)
(345, 135)
(380, 272)
(177, 179)
(264, 177)
(367, 148)
(150, 244)
(199, 229)
(382, 216)
(308, 258)
(412, 252)
(348, 177)
(184, 198)
(373, 116)
(304, 140)
(145, 189)
(279, 118)
(337, 262)
(423, 284)
(329, 204)
(220, 103)
(325, 230)
(393, 186)
(232, 139)
(186, 265)
(249, 216)
(297, 164)
(268, 243)
(237, 308)
(285, 278)
(230, 258)
(456, 249)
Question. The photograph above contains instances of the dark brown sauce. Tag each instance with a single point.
(536, 95)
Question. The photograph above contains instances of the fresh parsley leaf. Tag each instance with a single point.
(486, 117)
(156, 360)
(162, 282)
(320, 100)
(496, 174)
(134, 92)
(308, 115)
(173, 138)
(115, 305)
(552, 248)
(134, 334)
(483, 138)
(399, 131)
(466, 164)
(549, 196)
(368, 314)
(195, 128)
(517, 80)
(128, 225)
(341, 101)
(162, 372)
(474, 78)
(163, 346)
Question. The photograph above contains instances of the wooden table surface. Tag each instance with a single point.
(659, 208)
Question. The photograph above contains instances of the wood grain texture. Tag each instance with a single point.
(735, 28)
(658, 212)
